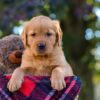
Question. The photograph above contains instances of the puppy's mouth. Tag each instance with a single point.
(41, 52)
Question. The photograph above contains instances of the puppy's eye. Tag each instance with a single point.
(33, 35)
(48, 34)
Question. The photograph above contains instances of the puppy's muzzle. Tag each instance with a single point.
(41, 47)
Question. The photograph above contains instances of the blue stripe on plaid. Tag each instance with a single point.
(4, 95)
(51, 93)
(43, 84)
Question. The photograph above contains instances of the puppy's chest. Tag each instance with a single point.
(43, 67)
(42, 63)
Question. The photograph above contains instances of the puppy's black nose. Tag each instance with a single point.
(41, 46)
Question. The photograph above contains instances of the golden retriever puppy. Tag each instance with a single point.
(43, 55)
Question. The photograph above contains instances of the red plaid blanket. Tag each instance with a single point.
(39, 88)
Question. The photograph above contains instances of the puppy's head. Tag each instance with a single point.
(42, 35)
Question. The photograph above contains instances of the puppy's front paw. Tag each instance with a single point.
(14, 84)
(57, 82)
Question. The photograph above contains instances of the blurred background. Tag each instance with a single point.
(80, 23)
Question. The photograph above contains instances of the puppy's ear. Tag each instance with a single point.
(24, 34)
(59, 32)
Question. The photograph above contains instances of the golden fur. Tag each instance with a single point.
(49, 62)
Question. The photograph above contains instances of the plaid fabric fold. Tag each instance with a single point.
(39, 88)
